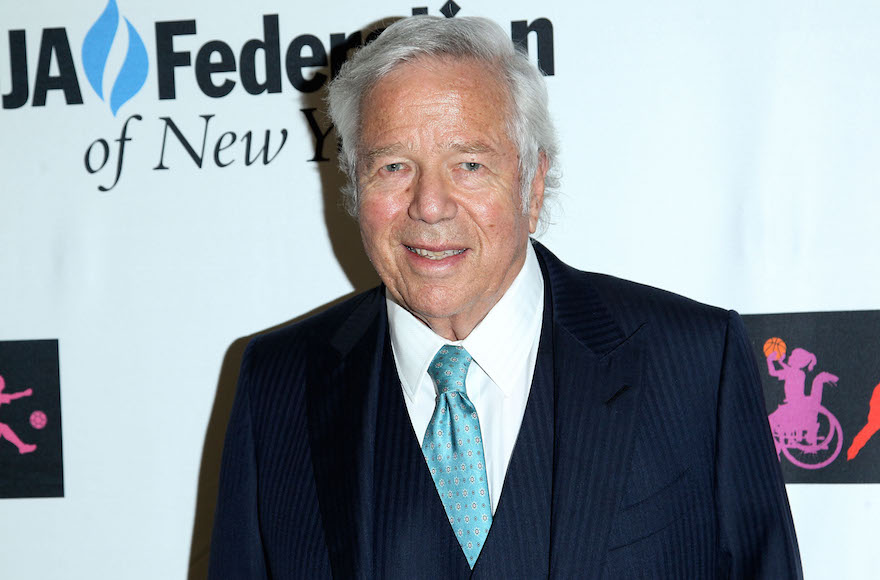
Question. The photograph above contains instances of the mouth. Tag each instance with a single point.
(432, 255)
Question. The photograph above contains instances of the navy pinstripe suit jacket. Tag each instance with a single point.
(644, 451)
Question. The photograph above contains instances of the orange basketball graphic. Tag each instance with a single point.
(776, 345)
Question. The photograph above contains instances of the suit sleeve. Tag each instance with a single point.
(236, 545)
(755, 526)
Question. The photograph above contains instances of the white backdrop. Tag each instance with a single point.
(725, 151)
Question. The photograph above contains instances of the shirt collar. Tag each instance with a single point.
(506, 333)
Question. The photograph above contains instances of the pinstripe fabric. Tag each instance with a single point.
(645, 406)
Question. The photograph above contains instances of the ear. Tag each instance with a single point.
(536, 192)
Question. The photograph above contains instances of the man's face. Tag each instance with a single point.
(439, 203)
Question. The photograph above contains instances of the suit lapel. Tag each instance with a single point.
(597, 370)
(595, 404)
(342, 395)
(379, 507)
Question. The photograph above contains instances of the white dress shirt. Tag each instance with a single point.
(504, 347)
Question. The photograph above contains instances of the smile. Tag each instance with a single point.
(433, 255)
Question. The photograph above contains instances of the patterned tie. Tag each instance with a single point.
(453, 449)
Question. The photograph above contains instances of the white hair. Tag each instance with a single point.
(529, 125)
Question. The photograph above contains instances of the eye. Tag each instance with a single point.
(471, 166)
(392, 167)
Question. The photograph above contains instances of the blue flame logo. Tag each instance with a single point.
(96, 49)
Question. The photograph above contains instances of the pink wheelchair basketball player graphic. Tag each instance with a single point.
(807, 433)
(6, 431)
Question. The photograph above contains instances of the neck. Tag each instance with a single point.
(455, 328)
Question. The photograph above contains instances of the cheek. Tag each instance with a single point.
(502, 221)
(374, 211)
(381, 206)
(377, 219)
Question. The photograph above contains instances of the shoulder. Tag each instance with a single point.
(632, 302)
(634, 306)
(316, 336)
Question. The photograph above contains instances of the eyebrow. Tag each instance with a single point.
(374, 154)
(470, 147)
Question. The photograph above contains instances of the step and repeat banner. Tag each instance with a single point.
(168, 189)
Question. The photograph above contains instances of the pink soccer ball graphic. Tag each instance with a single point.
(38, 419)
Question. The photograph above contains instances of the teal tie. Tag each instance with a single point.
(453, 448)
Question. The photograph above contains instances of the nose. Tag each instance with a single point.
(432, 199)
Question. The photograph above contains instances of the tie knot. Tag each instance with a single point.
(449, 368)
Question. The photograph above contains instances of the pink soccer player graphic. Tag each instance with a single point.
(5, 431)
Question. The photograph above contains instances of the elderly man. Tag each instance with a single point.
(489, 411)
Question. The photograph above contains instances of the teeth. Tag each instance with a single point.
(433, 255)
